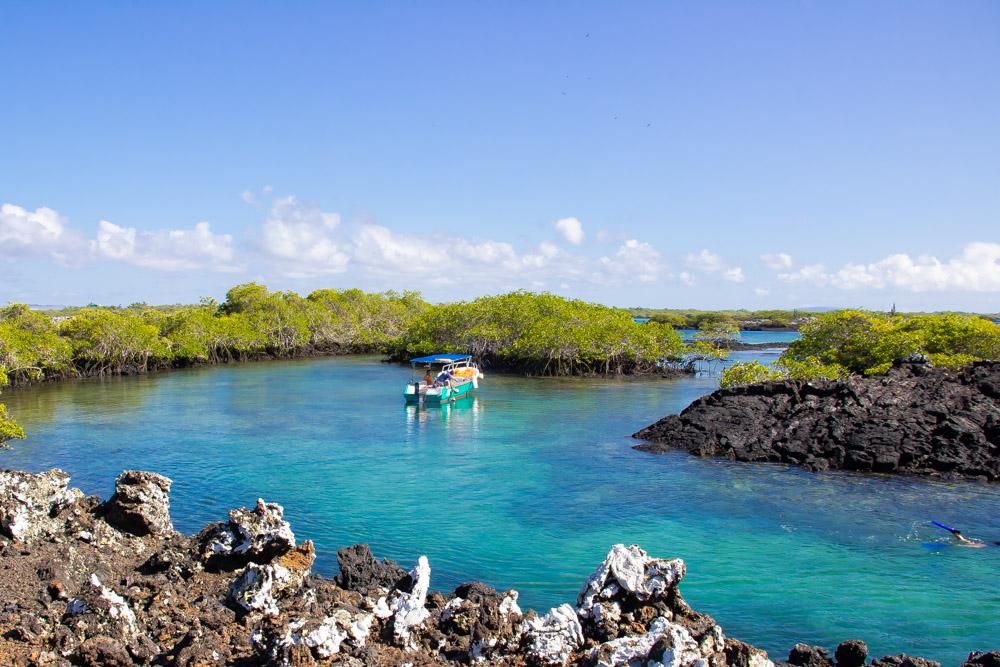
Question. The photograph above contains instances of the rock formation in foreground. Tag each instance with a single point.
(916, 420)
(91, 584)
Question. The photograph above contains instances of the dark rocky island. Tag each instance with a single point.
(915, 420)
(112, 584)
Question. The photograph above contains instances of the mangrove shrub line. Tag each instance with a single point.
(541, 334)
(842, 343)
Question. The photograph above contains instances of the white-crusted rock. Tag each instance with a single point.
(258, 587)
(323, 638)
(679, 649)
(250, 536)
(141, 503)
(509, 604)
(29, 503)
(629, 572)
(552, 638)
(111, 614)
(408, 610)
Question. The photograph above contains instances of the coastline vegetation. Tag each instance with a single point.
(856, 342)
(524, 332)
(747, 320)
(541, 334)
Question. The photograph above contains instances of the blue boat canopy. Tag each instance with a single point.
(440, 359)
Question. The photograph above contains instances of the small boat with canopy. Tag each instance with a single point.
(458, 376)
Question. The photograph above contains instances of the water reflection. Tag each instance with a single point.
(464, 412)
(40, 405)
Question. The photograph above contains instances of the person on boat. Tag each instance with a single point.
(428, 378)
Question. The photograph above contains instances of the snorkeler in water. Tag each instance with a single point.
(963, 541)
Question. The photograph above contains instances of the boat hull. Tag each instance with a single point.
(440, 395)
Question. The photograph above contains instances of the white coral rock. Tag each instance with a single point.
(553, 637)
(680, 648)
(632, 570)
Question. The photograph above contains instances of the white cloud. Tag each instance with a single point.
(39, 232)
(687, 278)
(381, 251)
(166, 250)
(709, 262)
(812, 273)
(761, 291)
(570, 229)
(634, 260)
(777, 260)
(248, 197)
(977, 269)
(303, 239)
(733, 275)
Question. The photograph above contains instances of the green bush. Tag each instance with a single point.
(541, 334)
(745, 373)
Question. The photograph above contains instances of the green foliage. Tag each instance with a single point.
(810, 368)
(744, 319)
(744, 373)
(847, 342)
(541, 334)
(719, 332)
(9, 430)
(109, 342)
(353, 321)
(252, 323)
(859, 341)
(30, 348)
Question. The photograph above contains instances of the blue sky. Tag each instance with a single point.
(663, 154)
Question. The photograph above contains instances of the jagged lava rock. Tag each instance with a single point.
(29, 503)
(804, 655)
(141, 503)
(553, 638)
(982, 659)
(915, 420)
(361, 571)
(91, 594)
(903, 660)
(407, 607)
(851, 653)
(250, 536)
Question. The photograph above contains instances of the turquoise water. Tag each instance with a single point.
(528, 484)
(756, 337)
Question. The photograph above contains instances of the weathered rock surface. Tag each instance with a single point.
(360, 571)
(250, 536)
(29, 503)
(92, 590)
(983, 659)
(915, 420)
(141, 503)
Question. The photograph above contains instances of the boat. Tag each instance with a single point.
(458, 377)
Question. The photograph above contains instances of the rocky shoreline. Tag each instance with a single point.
(91, 583)
(916, 420)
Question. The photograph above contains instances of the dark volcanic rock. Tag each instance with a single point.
(982, 659)
(903, 660)
(255, 535)
(914, 420)
(804, 655)
(141, 503)
(851, 653)
(84, 592)
(360, 571)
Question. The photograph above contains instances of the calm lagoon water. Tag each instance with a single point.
(528, 484)
(756, 337)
